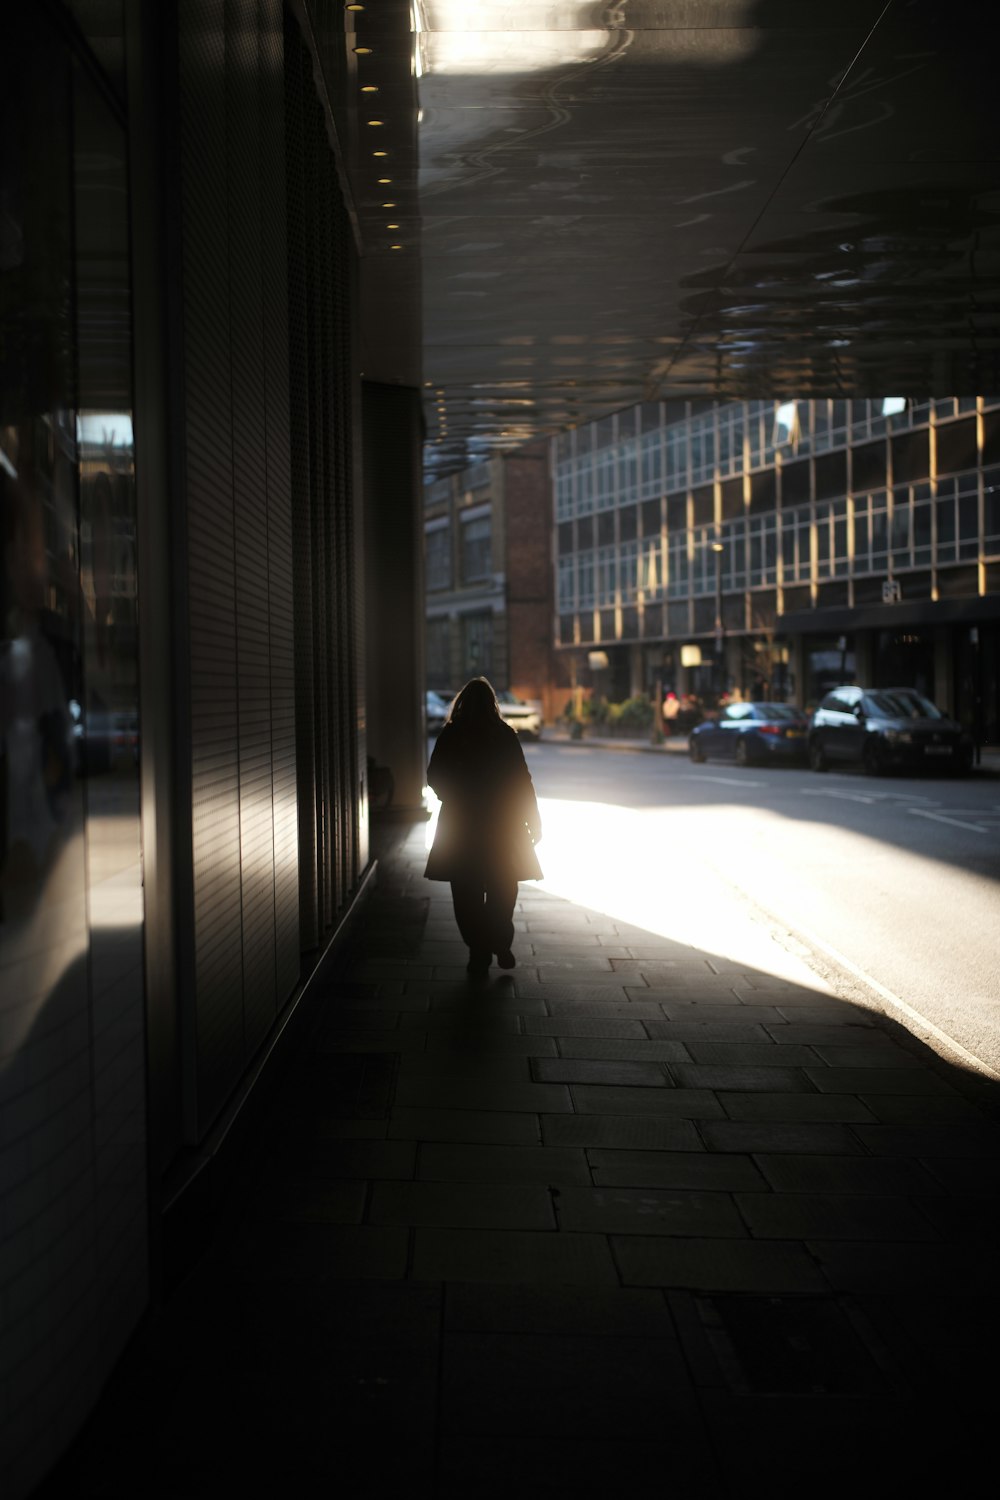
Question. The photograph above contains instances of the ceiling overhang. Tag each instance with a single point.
(597, 205)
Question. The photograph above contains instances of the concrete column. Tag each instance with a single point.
(394, 593)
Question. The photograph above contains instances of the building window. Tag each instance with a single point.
(437, 556)
(871, 534)
(565, 585)
(477, 548)
(991, 512)
(795, 545)
(679, 565)
(438, 493)
(585, 580)
(607, 576)
(438, 651)
(477, 644)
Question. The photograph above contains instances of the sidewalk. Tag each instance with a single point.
(677, 744)
(634, 1220)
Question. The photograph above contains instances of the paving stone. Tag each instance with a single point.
(716, 1265)
(635, 1010)
(819, 1036)
(619, 1210)
(472, 1066)
(610, 1049)
(877, 1051)
(920, 1109)
(840, 1216)
(751, 1054)
(548, 1384)
(796, 1137)
(560, 1026)
(738, 1016)
(495, 997)
(472, 1025)
(962, 1217)
(497, 1255)
(460, 1048)
(677, 1103)
(731, 1076)
(471, 1093)
(960, 1175)
(589, 961)
(786, 995)
(500, 1126)
(732, 1029)
(575, 1070)
(462, 1205)
(896, 1267)
(629, 1132)
(833, 1080)
(941, 1140)
(516, 1164)
(684, 1003)
(844, 1174)
(579, 1310)
(798, 1107)
(675, 1169)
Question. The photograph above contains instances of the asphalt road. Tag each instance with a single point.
(888, 887)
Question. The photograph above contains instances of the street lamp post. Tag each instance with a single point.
(720, 630)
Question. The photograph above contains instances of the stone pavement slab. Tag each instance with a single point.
(633, 1219)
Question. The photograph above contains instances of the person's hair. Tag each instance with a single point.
(476, 703)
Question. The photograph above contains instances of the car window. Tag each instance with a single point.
(840, 703)
(775, 711)
(901, 703)
(737, 711)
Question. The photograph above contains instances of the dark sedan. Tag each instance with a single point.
(752, 734)
(886, 729)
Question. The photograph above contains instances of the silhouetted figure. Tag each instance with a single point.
(488, 823)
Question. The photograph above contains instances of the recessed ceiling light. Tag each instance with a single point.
(395, 247)
(362, 51)
(384, 181)
(369, 88)
(354, 7)
(388, 205)
(392, 226)
(376, 122)
(380, 153)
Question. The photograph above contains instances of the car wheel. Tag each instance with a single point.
(872, 758)
(742, 753)
(817, 759)
(695, 752)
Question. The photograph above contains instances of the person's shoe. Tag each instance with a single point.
(505, 960)
(479, 964)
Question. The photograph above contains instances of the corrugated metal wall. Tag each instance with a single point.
(268, 318)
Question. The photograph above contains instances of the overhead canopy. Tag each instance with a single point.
(598, 205)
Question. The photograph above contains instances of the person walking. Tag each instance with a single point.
(488, 824)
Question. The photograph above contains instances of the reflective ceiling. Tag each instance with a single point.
(597, 205)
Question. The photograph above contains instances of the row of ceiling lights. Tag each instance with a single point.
(373, 88)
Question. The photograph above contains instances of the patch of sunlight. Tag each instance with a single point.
(643, 867)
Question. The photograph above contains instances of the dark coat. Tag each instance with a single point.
(489, 813)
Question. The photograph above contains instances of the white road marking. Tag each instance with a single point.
(844, 796)
(730, 781)
(918, 812)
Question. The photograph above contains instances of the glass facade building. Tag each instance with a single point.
(777, 546)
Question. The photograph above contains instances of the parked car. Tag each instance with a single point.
(436, 711)
(886, 729)
(752, 733)
(526, 718)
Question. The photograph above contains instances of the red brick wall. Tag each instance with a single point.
(536, 670)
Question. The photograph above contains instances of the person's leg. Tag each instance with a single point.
(501, 896)
(467, 898)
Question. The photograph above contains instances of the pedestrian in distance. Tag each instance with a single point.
(488, 824)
